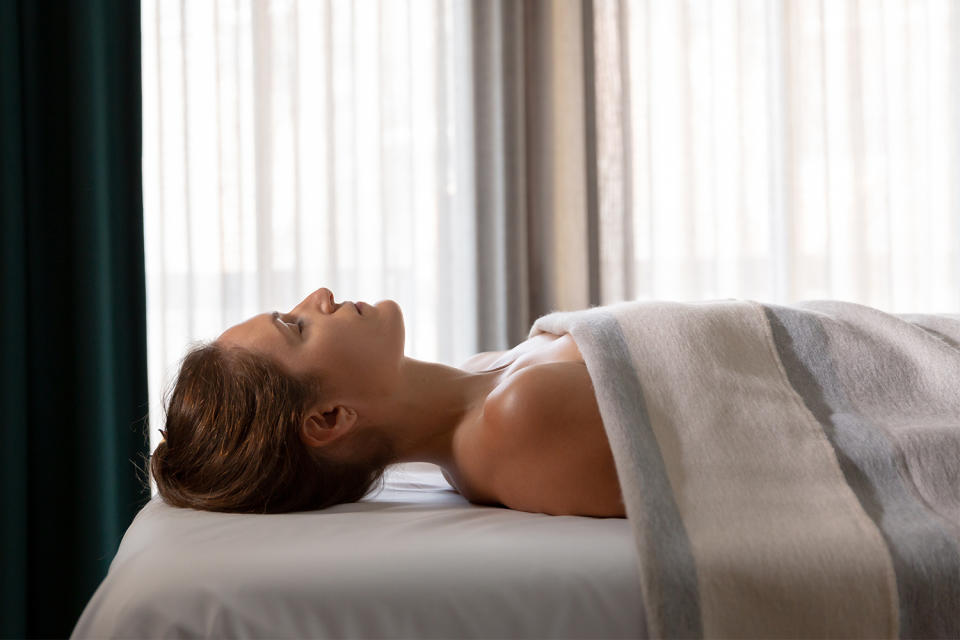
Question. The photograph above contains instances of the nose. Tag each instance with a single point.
(322, 298)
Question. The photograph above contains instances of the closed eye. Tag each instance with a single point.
(298, 324)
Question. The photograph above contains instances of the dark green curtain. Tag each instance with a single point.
(73, 387)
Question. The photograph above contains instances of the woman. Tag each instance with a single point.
(303, 410)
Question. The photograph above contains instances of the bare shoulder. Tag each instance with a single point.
(537, 395)
(551, 450)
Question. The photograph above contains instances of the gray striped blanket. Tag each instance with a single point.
(788, 471)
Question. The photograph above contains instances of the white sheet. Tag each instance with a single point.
(415, 560)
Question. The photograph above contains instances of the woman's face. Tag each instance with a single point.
(356, 351)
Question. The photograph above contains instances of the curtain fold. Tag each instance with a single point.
(73, 388)
(501, 121)
(536, 228)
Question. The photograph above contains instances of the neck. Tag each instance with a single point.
(431, 402)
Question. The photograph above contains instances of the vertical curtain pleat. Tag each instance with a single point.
(590, 28)
(626, 186)
(263, 146)
(775, 120)
(952, 173)
(556, 158)
(222, 119)
(293, 80)
(494, 74)
(614, 205)
(14, 532)
(73, 385)
(189, 283)
(463, 306)
(329, 142)
(533, 190)
(443, 261)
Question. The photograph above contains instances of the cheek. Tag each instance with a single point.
(360, 351)
(345, 353)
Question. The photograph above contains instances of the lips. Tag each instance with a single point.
(357, 306)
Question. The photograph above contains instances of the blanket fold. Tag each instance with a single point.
(788, 471)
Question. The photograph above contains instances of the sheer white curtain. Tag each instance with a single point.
(534, 154)
(292, 145)
(780, 150)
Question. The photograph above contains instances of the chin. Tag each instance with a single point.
(402, 327)
(391, 307)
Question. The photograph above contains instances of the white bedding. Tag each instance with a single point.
(414, 561)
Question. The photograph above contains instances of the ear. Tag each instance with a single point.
(323, 425)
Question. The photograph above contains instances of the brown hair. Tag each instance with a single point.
(233, 442)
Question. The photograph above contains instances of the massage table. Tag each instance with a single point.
(414, 560)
